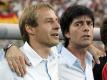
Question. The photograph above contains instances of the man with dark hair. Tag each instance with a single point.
(77, 24)
(100, 70)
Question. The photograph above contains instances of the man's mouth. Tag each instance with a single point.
(86, 37)
(56, 35)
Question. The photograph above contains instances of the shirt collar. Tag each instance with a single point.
(70, 59)
(89, 58)
(33, 57)
(67, 56)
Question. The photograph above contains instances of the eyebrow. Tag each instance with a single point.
(50, 18)
(80, 21)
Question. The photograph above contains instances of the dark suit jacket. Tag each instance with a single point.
(97, 70)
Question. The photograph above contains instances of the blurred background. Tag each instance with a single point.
(10, 11)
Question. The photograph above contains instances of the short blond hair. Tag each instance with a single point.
(29, 17)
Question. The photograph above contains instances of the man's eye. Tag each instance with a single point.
(78, 24)
(49, 21)
(90, 23)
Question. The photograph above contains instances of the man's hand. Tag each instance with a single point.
(17, 60)
(96, 53)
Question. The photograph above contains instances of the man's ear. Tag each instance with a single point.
(29, 29)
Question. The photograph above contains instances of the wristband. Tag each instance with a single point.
(8, 46)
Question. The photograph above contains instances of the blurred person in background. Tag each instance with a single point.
(60, 5)
(6, 15)
(99, 68)
(102, 68)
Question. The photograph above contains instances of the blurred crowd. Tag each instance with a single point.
(11, 9)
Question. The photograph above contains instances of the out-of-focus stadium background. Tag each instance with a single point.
(10, 11)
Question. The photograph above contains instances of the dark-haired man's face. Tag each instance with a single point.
(81, 31)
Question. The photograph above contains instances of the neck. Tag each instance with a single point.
(80, 53)
(41, 50)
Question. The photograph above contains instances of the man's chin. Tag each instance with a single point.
(53, 43)
(85, 45)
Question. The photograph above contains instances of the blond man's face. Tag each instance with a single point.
(47, 31)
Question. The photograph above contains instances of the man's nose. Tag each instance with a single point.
(86, 27)
(57, 25)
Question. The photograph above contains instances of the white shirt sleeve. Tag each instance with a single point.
(5, 71)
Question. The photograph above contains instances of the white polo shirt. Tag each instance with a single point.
(41, 69)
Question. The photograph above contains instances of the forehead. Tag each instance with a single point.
(82, 18)
(46, 13)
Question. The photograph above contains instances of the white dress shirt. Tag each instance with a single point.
(41, 69)
(70, 67)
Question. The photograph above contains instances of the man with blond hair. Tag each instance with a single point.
(39, 28)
